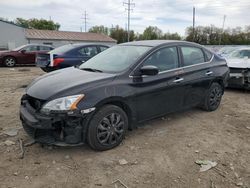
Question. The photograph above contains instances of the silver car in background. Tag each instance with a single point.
(239, 64)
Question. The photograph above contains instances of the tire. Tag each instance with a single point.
(9, 61)
(107, 128)
(213, 97)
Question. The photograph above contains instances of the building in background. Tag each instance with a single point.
(12, 36)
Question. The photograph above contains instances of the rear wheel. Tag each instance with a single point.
(107, 128)
(9, 61)
(213, 97)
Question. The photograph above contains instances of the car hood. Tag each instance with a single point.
(65, 82)
(5, 51)
(238, 63)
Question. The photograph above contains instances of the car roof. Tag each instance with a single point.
(87, 44)
(154, 43)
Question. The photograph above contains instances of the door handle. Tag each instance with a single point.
(178, 80)
(208, 73)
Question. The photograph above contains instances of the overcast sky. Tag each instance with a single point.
(168, 15)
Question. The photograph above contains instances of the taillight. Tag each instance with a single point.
(57, 61)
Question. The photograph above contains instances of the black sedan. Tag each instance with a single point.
(97, 102)
(68, 55)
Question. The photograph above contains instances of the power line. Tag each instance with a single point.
(193, 23)
(85, 18)
(129, 4)
(223, 25)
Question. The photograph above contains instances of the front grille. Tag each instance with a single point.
(40, 135)
(236, 70)
(29, 130)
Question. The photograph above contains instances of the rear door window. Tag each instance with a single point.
(208, 54)
(44, 48)
(164, 59)
(192, 55)
(88, 51)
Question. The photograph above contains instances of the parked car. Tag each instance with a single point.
(97, 102)
(225, 51)
(25, 55)
(239, 65)
(67, 56)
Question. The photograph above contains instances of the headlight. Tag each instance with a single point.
(62, 104)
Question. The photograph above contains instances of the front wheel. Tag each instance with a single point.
(213, 97)
(9, 61)
(107, 128)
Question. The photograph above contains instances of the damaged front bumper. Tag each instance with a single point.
(239, 78)
(55, 129)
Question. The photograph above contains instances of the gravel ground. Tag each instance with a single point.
(162, 153)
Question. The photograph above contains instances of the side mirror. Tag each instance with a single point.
(23, 51)
(246, 57)
(149, 70)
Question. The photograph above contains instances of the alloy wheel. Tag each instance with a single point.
(10, 62)
(110, 130)
(215, 97)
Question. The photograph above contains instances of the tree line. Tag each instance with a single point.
(121, 35)
(34, 23)
(205, 35)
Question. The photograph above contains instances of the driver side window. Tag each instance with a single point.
(164, 59)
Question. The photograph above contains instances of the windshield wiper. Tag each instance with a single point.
(92, 70)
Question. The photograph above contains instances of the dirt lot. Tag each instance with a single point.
(162, 153)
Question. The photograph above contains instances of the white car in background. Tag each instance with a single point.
(239, 64)
(226, 51)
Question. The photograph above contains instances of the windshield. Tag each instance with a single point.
(239, 54)
(19, 48)
(226, 50)
(115, 59)
(62, 49)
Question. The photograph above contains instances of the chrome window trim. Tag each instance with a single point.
(199, 63)
(175, 69)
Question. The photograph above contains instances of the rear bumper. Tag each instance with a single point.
(60, 129)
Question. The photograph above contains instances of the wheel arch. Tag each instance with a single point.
(5, 57)
(219, 81)
(123, 104)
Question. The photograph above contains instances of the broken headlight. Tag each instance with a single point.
(62, 104)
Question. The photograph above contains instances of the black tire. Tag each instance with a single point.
(107, 128)
(213, 97)
(9, 61)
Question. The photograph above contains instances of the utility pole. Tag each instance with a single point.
(223, 25)
(193, 23)
(85, 18)
(129, 4)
